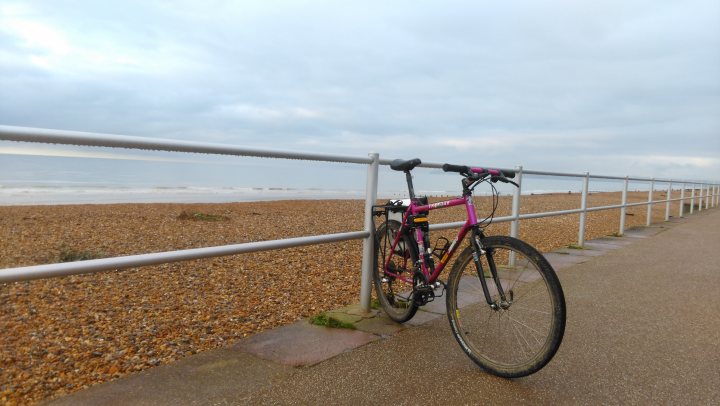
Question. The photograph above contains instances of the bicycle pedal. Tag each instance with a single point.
(423, 295)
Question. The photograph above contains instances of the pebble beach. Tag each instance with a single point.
(64, 334)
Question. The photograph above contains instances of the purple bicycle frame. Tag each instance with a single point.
(415, 209)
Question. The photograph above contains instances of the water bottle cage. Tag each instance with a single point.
(441, 247)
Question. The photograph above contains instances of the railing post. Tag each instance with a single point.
(369, 242)
(515, 225)
(712, 195)
(650, 205)
(715, 201)
(667, 202)
(700, 197)
(707, 197)
(583, 207)
(623, 209)
(682, 201)
(692, 199)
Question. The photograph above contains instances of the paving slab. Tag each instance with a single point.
(344, 317)
(436, 306)
(601, 246)
(613, 241)
(381, 325)
(303, 344)
(207, 378)
(560, 261)
(423, 316)
(643, 232)
(584, 252)
(357, 310)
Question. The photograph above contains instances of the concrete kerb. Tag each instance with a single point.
(277, 354)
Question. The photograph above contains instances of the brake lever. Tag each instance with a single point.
(503, 179)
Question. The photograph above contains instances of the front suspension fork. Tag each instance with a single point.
(479, 251)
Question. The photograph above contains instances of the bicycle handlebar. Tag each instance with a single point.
(466, 170)
(456, 168)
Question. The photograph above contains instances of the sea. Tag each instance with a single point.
(81, 193)
(48, 180)
(47, 194)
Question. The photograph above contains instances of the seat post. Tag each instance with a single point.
(408, 177)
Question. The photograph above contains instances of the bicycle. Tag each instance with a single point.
(506, 310)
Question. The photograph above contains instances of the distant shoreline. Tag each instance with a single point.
(48, 195)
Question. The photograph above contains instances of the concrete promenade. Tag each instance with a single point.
(643, 327)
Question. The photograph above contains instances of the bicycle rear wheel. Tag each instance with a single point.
(520, 335)
(394, 290)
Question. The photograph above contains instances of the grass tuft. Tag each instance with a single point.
(71, 255)
(197, 216)
(324, 320)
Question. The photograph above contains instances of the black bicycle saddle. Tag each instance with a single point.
(403, 165)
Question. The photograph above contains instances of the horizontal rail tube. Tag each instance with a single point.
(458, 224)
(65, 137)
(106, 264)
(436, 165)
(600, 208)
(27, 134)
(447, 226)
(549, 214)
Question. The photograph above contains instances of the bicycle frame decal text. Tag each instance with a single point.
(438, 205)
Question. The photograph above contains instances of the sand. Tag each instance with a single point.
(63, 334)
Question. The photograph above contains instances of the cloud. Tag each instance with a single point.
(251, 112)
(68, 50)
(556, 85)
(693, 162)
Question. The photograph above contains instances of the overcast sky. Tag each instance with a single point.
(610, 87)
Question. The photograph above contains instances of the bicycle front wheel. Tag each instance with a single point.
(516, 336)
(394, 288)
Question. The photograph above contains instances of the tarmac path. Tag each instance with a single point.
(643, 327)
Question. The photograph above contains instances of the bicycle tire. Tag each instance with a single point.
(518, 340)
(393, 294)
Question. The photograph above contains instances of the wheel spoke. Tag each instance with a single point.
(524, 325)
(515, 306)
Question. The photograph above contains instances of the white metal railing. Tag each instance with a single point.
(708, 194)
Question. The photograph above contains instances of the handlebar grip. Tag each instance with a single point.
(508, 174)
(455, 168)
